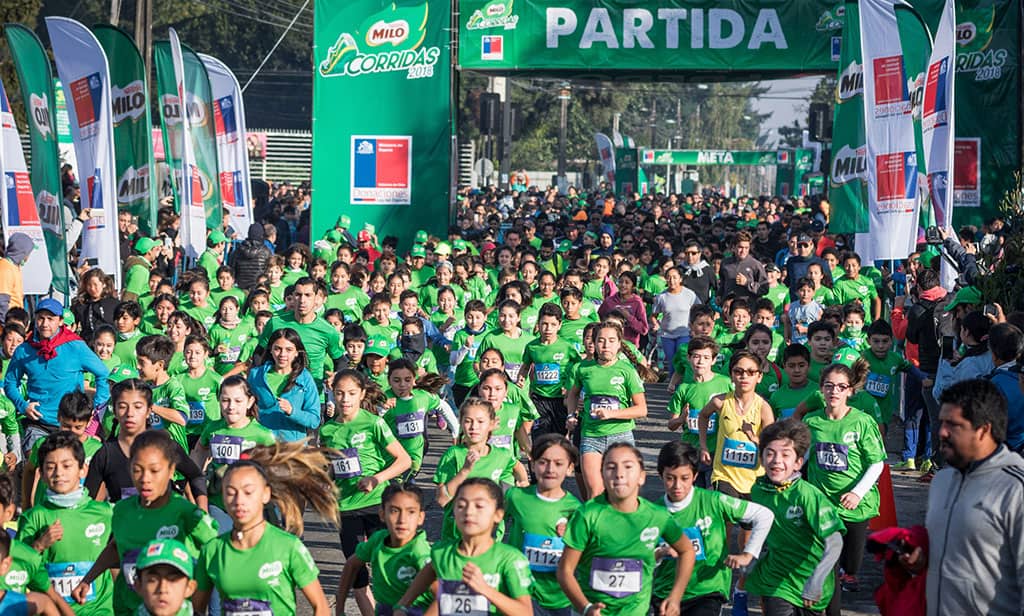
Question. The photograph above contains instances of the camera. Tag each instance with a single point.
(932, 237)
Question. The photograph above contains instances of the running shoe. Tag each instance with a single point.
(849, 583)
(926, 466)
(906, 465)
(739, 603)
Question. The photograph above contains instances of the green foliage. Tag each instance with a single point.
(1005, 284)
(18, 12)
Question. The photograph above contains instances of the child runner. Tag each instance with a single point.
(395, 553)
(354, 339)
(169, 407)
(375, 359)
(16, 603)
(472, 457)
(27, 571)
(164, 581)
(613, 397)
(200, 384)
(821, 340)
(538, 516)
(574, 322)
(154, 512)
(368, 457)
(758, 340)
(764, 314)
(795, 576)
(545, 364)
(702, 324)
(73, 414)
(66, 526)
(692, 396)
(796, 360)
(883, 381)
(704, 517)
(465, 345)
(509, 338)
(408, 411)
(514, 417)
(285, 391)
(127, 317)
(475, 574)
(229, 336)
(255, 566)
(609, 556)
(801, 313)
(847, 458)
(198, 306)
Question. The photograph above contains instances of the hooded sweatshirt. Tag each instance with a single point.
(19, 247)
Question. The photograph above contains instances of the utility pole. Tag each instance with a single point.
(506, 133)
(144, 32)
(564, 94)
(115, 11)
(654, 121)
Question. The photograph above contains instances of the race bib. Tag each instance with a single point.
(231, 354)
(693, 421)
(246, 607)
(784, 413)
(542, 552)
(500, 440)
(410, 425)
(878, 384)
(512, 370)
(196, 413)
(616, 577)
(458, 599)
(603, 403)
(741, 454)
(226, 449)
(833, 457)
(697, 539)
(347, 465)
(128, 567)
(548, 374)
(64, 577)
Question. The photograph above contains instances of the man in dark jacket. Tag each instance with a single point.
(797, 265)
(249, 260)
(927, 323)
(698, 274)
(741, 273)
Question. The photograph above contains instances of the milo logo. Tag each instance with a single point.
(383, 32)
(16, 579)
(128, 103)
(40, 112)
(167, 532)
(966, 33)
(133, 185)
(269, 570)
(849, 164)
(851, 82)
(794, 512)
(406, 574)
(95, 530)
(171, 110)
(495, 14)
(393, 41)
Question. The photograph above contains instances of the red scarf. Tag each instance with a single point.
(47, 349)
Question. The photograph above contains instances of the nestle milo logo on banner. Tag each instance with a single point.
(49, 212)
(849, 164)
(974, 32)
(916, 88)
(388, 41)
(133, 185)
(495, 14)
(40, 112)
(831, 20)
(851, 82)
(128, 103)
(205, 185)
(630, 28)
(197, 114)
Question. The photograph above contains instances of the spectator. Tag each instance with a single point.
(12, 294)
(797, 264)
(1006, 342)
(973, 361)
(249, 260)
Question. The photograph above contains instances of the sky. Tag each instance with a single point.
(785, 110)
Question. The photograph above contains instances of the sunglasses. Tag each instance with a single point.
(747, 372)
(691, 252)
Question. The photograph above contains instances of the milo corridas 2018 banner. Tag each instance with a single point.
(381, 121)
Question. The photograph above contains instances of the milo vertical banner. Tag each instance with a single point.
(35, 75)
(190, 188)
(83, 70)
(65, 143)
(232, 154)
(170, 114)
(848, 170)
(381, 121)
(133, 144)
(18, 203)
(892, 158)
(204, 136)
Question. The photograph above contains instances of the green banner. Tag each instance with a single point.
(707, 157)
(757, 36)
(197, 84)
(35, 75)
(849, 166)
(133, 141)
(381, 121)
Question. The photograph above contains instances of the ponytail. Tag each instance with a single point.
(647, 374)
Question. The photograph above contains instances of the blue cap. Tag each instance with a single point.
(50, 305)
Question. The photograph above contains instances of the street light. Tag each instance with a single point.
(564, 94)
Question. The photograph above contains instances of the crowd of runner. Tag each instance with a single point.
(165, 440)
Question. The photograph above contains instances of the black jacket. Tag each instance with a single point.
(91, 315)
(927, 322)
(249, 262)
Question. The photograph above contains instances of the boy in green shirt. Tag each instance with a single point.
(796, 361)
(170, 405)
(464, 349)
(573, 323)
(778, 293)
(806, 540)
(199, 306)
(821, 340)
(164, 580)
(127, 317)
(853, 286)
(226, 286)
(852, 334)
(546, 361)
(764, 314)
(884, 367)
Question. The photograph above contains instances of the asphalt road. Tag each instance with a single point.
(911, 502)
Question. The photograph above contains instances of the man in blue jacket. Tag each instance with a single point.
(1006, 342)
(51, 363)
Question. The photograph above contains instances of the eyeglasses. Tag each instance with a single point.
(691, 253)
(803, 245)
(747, 372)
(840, 387)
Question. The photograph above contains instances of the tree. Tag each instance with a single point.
(17, 12)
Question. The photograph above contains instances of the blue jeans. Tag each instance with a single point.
(914, 418)
(669, 346)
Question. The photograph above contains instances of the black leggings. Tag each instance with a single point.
(774, 606)
(356, 527)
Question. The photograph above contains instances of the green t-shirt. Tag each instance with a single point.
(218, 294)
(464, 373)
(771, 381)
(207, 315)
(395, 568)
(504, 568)
(133, 526)
(261, 579)
(86, 531)
(533, 528)
(550, 363)
(137, 277)
(617, 552)
(779, 294)
(804, 518)
(841, 450)
(884, 382)
(512, 349)
(230, 345)
(408, 421)
(515, 410)
(319, 337)
(350, 302)
(861, 288)
(703, 521)
(91, 445)
(606, 387)
(124, 348)
(785, 399)
(497, 466)
(572, 330)
(201, 395)
(170, 395)
(27, 572)
(691, 397)
(226, 446)
(362, 446)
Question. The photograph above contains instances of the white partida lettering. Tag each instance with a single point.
(849, 164)
(40, 114)
(725, 28)
(167, 532)
(273, 569)
(95, 530)
(382, 32)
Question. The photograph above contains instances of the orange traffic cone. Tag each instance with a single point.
(887, 503)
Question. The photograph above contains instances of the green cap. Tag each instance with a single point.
(165, 552)
(344, 222)
(564, 246)
(123, 373)
(145, 244)
(421, 237)
(418, 251)
(377, 345)
(591, 235)
(459, 244)
(333, 236)
(443, 248)
(966, 295)
(216, 237)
